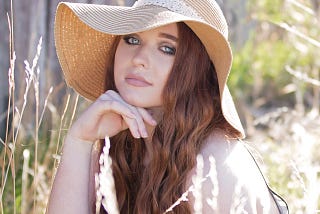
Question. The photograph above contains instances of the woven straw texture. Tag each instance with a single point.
(84, 34)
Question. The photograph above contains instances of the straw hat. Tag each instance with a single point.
(84, 34)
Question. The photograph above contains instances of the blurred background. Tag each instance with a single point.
(274, 82)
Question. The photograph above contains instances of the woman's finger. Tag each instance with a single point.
(139, 119)
(147, 116)
(133, 119)
(132, 126)
(115, 106)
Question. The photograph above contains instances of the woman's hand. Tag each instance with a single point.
(109, 115)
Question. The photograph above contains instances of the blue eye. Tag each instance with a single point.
(168, 50)
(131, 40)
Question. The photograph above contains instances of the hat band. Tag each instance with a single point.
(177, 6)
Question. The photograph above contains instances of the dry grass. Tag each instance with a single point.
(27, 160)
(105, 187)
(287, 140)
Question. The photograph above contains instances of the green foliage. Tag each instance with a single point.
(261, 63)
(286, 35)
(259, 67)
(266, 9)
(258, 72)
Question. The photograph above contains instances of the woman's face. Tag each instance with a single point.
(143, 62)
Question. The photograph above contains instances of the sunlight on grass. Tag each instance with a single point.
(285, 138)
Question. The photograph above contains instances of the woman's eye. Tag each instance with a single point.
(131, 40)
(168, 50)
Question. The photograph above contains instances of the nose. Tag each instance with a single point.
(141, 57)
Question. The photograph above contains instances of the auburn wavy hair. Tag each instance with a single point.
(192, 111)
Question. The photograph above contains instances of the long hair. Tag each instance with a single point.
(192, 111)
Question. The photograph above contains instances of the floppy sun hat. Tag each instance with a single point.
(84, 34)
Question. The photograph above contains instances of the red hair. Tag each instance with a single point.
(192, 111)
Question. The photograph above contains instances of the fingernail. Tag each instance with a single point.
(144, 134)
(137, 134)
(154, 122)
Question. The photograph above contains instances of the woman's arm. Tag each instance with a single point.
(107, 116)
(70, 191)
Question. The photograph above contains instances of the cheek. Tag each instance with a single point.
(165, 71)
(120, 54)
(118, 59)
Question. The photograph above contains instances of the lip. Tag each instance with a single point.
(137, 81)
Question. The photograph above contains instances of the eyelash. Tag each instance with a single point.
(165, 49)
(128, 38)
(171, 51)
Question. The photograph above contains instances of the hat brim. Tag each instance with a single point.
(84, 34)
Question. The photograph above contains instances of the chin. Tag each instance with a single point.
(138, 101)
(143, 98)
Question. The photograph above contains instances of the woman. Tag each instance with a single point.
(157, 74)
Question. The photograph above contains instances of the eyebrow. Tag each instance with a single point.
(168, 36)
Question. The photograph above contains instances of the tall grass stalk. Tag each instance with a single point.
(45, 105)
(37, 97)
(25, 181)
(36, 88)
(105, 186)
(11, 90)
(213, 202)
(196, 181)
(239, 202)
(183, 198)
(30, 77)
(59, 134)
(196, 186)
(12, 56)
(74, 111)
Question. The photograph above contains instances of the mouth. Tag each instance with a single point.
(137, 81)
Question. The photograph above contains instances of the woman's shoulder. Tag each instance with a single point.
(233, 176)
(230, 155)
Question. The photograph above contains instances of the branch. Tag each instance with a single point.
(301, 6)
(299, 34)
(302, 76)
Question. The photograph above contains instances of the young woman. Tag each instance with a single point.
(156, 73)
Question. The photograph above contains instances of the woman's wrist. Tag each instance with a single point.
(76, 150)
(74, 136)
(75, 141)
